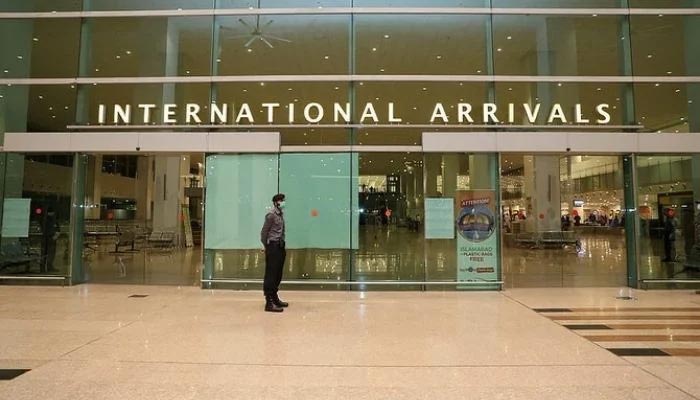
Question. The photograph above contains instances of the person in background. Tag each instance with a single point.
(49, 236)
(670, 236)
(272, 238)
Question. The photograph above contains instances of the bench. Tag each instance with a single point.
(161, 240)
(13, 253)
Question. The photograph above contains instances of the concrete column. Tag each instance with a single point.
(480, 172)
(556, 55)
(450, 170)
(93, 186)
(144, 188)
(542, 193)
(433, 169)
(166, 196)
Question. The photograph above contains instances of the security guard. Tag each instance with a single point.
(272, 237)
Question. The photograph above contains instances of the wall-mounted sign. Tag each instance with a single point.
(312, 113)
(439, 216)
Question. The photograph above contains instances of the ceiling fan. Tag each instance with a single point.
(256, 32)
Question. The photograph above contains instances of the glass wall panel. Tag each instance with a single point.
(36, 214)
(668, 199)
(175, 46)
(283, 44)
(239, 191)
(321, 226)
(559, 3)
(421, 44)
(668, 107)
(455, 183)
(558, 45)
(282, 3)
(421, 3)
(568, 95)
(666, 45)
(664, 3)
(390, 193)
(563, 221)
(142, 226)
(92, 96)
(39, 48)
(37, 108)
(414, 103)
(41, 5)
(114, 5)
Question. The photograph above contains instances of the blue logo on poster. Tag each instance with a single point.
(476, 223)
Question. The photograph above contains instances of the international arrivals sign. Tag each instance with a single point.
(340, 113)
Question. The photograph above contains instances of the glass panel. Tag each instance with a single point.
(421, 44)
(91, 96)
(107, 5)
(567, 95)
(320, 224)
(41, 5)
(176, 46)
(558, 45)
(421, 3)
(40, 48)
(651, 53)
(461, 187)
(138, 226)
(282, 3)
(559, 3)
(668, 107)
(301, 94)
(391, 246)
(564, 225)
(282, 44)
(664, 3)
(239, 190)
(669, 216)
(37, 108)
(36, 214)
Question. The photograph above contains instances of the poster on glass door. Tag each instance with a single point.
(477, 239)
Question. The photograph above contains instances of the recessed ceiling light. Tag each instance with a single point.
(649, 56)
(262, 83)
(118, 57)
(374, 49)
(326, 57)
(386, 36)
(250, 50)
(19, 57)
(439, 57)
(289, 89)
(128, 52)
(509, 38)
(36, 39)
(381, 70)
(499, 49)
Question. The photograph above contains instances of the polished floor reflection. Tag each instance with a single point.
(177, 266)
(391, 253)
(101, 342)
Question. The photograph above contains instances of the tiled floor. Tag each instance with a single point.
(97, 342)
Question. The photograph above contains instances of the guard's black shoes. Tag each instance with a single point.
(270, 305)
(278, 302)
